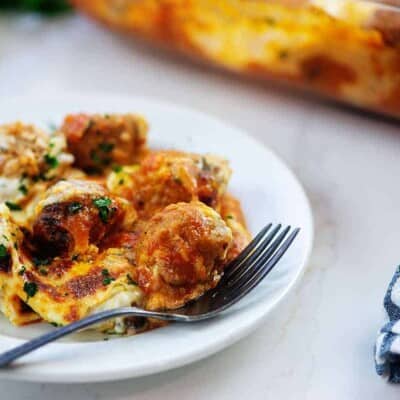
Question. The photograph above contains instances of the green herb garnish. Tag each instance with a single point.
(117, 168)
(23, 189)
(103, 205)
(51, 161)
(13, 206)
(40, 177)
(107, 278)
(22, 270)
(3, 251)
(30, 288)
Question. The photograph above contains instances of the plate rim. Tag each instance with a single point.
(126, 372)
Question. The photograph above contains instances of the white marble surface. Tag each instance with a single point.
(318, 344)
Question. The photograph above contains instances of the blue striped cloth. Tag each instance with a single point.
(387, 347)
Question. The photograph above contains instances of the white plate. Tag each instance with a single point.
(269, 193)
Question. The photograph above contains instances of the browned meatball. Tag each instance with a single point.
(75, 214)
(100, 140)
(180, 253)
(169, 177)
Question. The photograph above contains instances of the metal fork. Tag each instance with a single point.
(241, 276)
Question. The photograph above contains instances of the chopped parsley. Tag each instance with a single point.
(229, 217)
(41, 177)
(22, 270)
(130, 280)
(51, 161)
(107, 278)
(55, 324)
(23, 189)
(13, 206)
(106, 147)
(121, 181)
(3, 251)
(74, 207)
(74, 257)
(103, 205)
(117, 168)
(30, 288)
(43, 271)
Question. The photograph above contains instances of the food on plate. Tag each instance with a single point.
(11, 305)
(30, 161)
(348, 50)
(167, 177)
(149, 228)
(76, 214)
(180, 254)
(102, 140)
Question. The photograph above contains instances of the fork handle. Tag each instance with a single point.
(19, 351)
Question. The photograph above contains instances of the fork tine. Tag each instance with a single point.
(256, 262)
(264, 250)
(253, 248)
(234, 264)
(235, 294)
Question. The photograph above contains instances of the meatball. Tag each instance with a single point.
(232, 214)
(29, 160)
(75, 214)
(169, 177)
(100, 141)
(180, 253)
